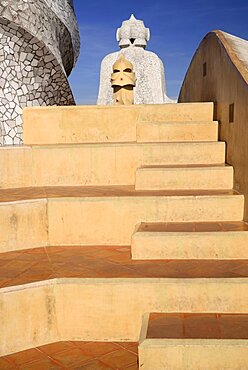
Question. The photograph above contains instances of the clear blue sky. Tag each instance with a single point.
(177, 27)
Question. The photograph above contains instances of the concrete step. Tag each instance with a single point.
(91, 124)
(177, 131)
(194, 341)
(102, 215)
(199, 240)
(97, 164)
(184, 177)
(90, 293)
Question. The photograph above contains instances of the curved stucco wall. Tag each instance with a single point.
(39, 47)
(219, 73)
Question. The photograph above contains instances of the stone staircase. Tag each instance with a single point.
(109, 215)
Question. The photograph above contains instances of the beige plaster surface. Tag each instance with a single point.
(16, 166)
(154, 178)
(27, 317)
(225, 83)
(177, 131)
(23, 225)
(176, 112)
(97, 164)
(196, 354)
(100, 221)
(89, 124)
(64, 125)
(105, 309)
(190, 245)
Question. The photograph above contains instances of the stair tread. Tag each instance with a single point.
(177, 122)
(33, 265)
(197, 326)
(186, 166)
(193, 226)
(74, 354)
(122, 144)
(29, 193)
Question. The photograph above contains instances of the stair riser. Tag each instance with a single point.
(175, 132)
(204, 245)
(23, 225)
(100, 309)
(193, 354)
(90, 124)
(103, 164)
(112, 221)
(104, 221)
(186, 179)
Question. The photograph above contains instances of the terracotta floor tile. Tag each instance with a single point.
(5, 365)
(25, 357)
(120, 359)
(71, 357)
(132, 367)
(234, 326)
(53, 348)
(185, 165)
(207, 226)
(5, 282)
(180, 226)
(235, 226)
(110, 262)
(165, 326)
(98, 349)
(10, 195)
(15, 268)
(9, 256)
(193, 226)
(241, 269)
(201, 326)
(94, 365)
(132, 347)
(152, 227)
(198, 325)
(45, 364)
(79, 343)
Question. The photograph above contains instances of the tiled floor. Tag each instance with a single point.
(38, 264)
(76, 356)
(10, 195)
(193, 226)
(200, 326)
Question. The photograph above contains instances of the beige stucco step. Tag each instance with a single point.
(105, 216)
(184, 177)
(97, 164)
(89, 124)
(100, 308)
(227, 240)
(177, 131)
(194, 341)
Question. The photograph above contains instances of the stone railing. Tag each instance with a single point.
(219, 73)
(38, 49)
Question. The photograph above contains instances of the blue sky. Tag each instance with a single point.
(177, 27)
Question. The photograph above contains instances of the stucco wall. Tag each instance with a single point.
(225, 83)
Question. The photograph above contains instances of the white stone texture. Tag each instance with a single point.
(50, 21)
(133, 29)
(148, 67)
(39, 45)
(24, 84)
